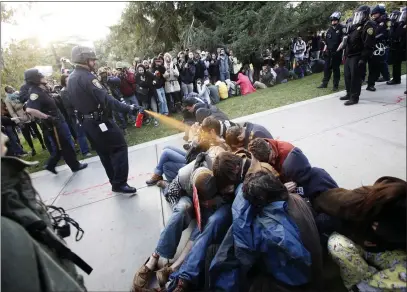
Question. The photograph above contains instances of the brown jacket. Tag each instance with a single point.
(384, 202)
(15, 108)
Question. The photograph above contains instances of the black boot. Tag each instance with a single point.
(350, 102)
(80, 167)
(126, 189)
(335, 88)
(371, 88)
(346, 97)
(392, 82)
(53, 170)
(322, 86)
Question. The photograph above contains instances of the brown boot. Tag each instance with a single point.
(142, 277)
(182, 286)
(154, 180)
(162, 184)
(163, 275)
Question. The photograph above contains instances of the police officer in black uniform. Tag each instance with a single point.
(398, 44)
(41, 105)
(377, 63)
(93, 104)
(359, 48)
(333, 57)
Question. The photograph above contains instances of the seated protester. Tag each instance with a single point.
(273, 234)
(203, 90)
(282, 74)
(223, 89)
(213, 93)
(238, 137)
(202, 113)
(247, 71)
(171, 161)
(179, 193)
(246, 86)
(370, 247)
(268, 76)
(191, 105)
(212, 126)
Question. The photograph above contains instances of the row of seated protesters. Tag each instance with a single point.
(267, 220)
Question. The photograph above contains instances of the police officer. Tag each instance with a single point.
(333, 57)
(93, 104)
(398, 44)
(41, 105)
(377, 63)
(359, 47)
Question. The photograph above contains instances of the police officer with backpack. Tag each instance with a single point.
(359, 48)
(41, 105)
(93, 104)
(333, 57)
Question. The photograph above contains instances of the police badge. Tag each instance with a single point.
(369, 31)
(96, 83)
(33, 96)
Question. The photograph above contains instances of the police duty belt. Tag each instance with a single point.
(380, 49)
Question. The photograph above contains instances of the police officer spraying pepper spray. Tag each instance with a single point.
(398, 43)
(333, 54)
(377, 63)
(359, 48)
(41, 105)
(93, 104)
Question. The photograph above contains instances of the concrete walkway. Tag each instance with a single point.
(356, 145)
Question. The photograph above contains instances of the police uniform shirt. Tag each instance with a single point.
(334, 36)
(361, 40)
(88, 95)
(382, 31)
(40, 100)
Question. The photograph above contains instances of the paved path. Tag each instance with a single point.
(356, 145)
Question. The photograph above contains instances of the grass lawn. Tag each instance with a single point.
(264, 99)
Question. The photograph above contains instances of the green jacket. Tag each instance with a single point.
(29, 264)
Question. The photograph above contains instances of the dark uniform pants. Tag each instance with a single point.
(111, 148)
(332, 63)
(375, 67)
(353, 80)
(63, 146)
(397, 56)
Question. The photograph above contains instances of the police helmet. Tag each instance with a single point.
(336, 16)
(403, 15)
(81, 55)
(361, 15)
(33, 76)
(394, 16)
(378, 9)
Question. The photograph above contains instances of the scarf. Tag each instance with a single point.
(13, 96)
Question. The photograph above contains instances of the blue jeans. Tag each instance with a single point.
(182, 215)
(162, 101)
(224, 76)
(171, 160)
(214, 231)
(131, 100)
(14, 145)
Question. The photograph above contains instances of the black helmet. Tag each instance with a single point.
(394, 16)
(402, 17)
(361, 15)
(33, 76)
(378, 9)
(81, 55)
(336, 16)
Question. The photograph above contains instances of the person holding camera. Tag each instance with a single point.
(188, 74)
(145, 91)
(172, 87)
(158, 84)
(127, 87)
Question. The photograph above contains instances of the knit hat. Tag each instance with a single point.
(204, 181)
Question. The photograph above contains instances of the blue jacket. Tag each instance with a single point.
(314, 180)
(270, 238)
(224, 64)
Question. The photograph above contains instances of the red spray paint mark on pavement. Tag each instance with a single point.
(400, 99)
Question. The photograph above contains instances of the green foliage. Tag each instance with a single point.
(148, 28)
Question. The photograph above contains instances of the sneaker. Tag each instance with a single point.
(156, 123)
(80, 167)
(154, 180)
(392, 82)
(87, 154)
(163, 275)
(350, 102)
